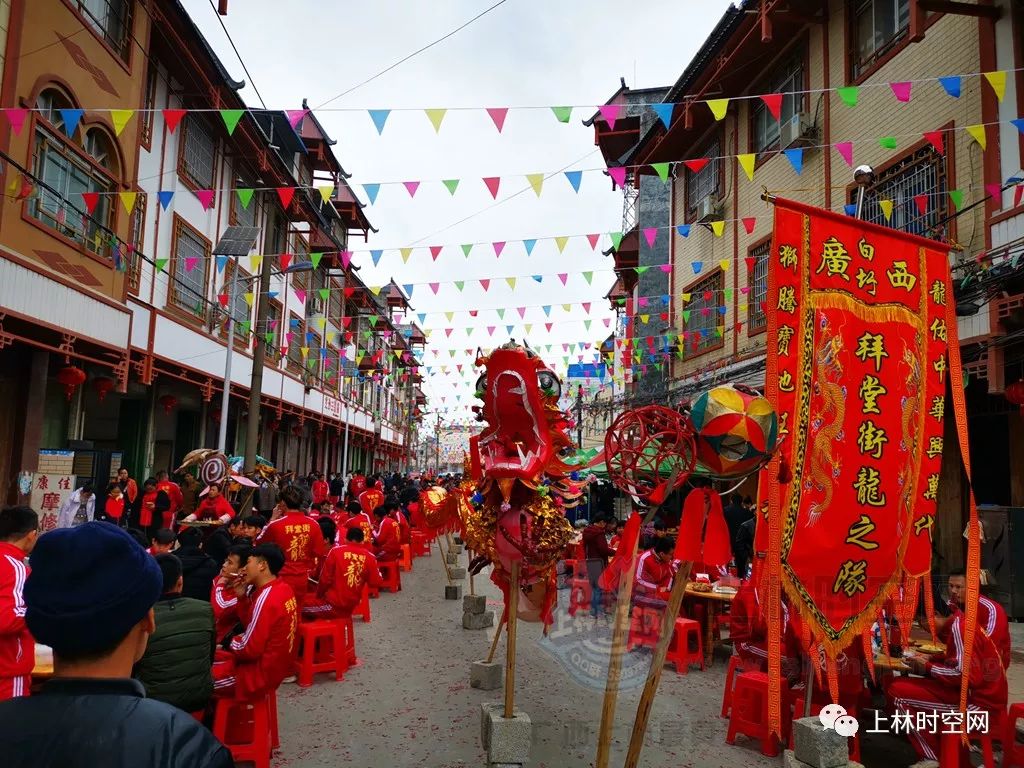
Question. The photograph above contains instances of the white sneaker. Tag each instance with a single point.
(290, 679)
(926, 764)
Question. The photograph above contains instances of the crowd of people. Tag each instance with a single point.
(152, 616)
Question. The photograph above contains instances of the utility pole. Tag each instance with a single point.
(437, 446)
(252, 431)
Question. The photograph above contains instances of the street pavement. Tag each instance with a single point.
(409, 702)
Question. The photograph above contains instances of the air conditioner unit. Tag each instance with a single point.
(709, 209)
(798, 131)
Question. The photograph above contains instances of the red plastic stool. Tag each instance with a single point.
(852, 708)
(244, 727)
(405, 561)
(679, 652)
(419, 543)
(951, 747)
(1013, 753)
(275, 739)
(580, 595)
(391, 574)
(734, 664)
(644, 628)
(749, 716)
(348, 635)
(314, 656)
(363, 609)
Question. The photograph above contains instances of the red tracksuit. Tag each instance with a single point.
(320, 491)
(115, 508)
(992, 620)
(939, 691)
(653, 577)
(264, 655)
(214, 509)
(361, 520)
(388, 540)
(348, 569)
(301, 541)
(17, 648)
(174, 494)
(404, 529)
(146, 510)
(225, 609)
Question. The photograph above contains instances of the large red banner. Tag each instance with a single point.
(857, 348)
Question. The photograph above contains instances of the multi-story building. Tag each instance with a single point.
(127, 153)
(939, 179)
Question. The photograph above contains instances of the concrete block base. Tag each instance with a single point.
(453, 592)
(457, 573)
(478, 620)
(506, 741)
(474, 603)
(452, 558)
(486, 677)
(458, 539)
(456, 548)
(818, 746)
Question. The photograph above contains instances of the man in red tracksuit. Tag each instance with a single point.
(387, 538)
(348, 570)
(404, 529)
(939, 690)
(173, 491)
(654, 571)
(18, 534)
(264, 655)
(991, 616)
(299, 537)
(360, 519)
(320, 490)
(222, 595)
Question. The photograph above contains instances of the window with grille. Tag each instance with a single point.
(245, 216)
(315, 305)
(65, 174)
(920, 173)
(315, 356)
(705, 182)
(149, 106)
(273, 327)
(298, 340)
(138, 233)
(191, 265)
(111, 20)
(331, 369)
(335, 304)
(788, 80)
(705, 319)
(237, 304)
(878, 25)
(198, 153)
(758, 282)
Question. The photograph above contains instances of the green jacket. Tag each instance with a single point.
(176, 667)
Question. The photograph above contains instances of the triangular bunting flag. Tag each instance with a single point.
(848, 95)
(886, 206)
(371, 191)
(466, 248)
(616, 239)
(255, 262)
(683, 230)
(436, 117)
(560, 243)
(91, 199)
(937, 140)
(528, 245)
(536, 181)
(901, 90)
(128, 200)
(498, 115)
(511, 282)
(661, 169)
(160, 264)
(957, 198)
(562, 114)
(747, 162)
(71, 119)
(375, 256)
(120, 118)
(411, 187)
(718, 107)
(451, 185)
(796, 159)
(887, 142)
(315, 258)
(295, 117)
(650, 235)
(172, 117)
(285, 195)
(574, 177)
(774, 103)
(610, 113)
(16, 117)
(593, 240)
(492, 183)
(845, 150)
(977, 133)
(951, 85)
(718, 227)
(749, 223)
(326, 192)
(618, 174)
(231, 118)
(498, 247)
(244, 197)
(379, 117)
(664, 113)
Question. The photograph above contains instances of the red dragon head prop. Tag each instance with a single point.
(524, 483)
(525, 430)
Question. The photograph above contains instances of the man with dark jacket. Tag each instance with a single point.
(176, 667)
(90, 597)
(198, 569)
(597, 552)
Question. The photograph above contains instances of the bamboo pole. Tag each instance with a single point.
(668, 623)
(611, 690)
(444, 562)
(494, 642)
(510, 650)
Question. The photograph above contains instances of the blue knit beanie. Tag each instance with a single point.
(88, 587)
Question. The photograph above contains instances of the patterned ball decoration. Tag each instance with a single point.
(650, 452)
(737, 430)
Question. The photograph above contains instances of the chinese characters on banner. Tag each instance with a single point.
(857, 330)
(49, 492)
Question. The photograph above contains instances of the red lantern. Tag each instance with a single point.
(1015, 394)
(102, 385)
(274, 425)
(71, 378)
(167, 402)
(297, 430)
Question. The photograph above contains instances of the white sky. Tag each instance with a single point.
(523, 53)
